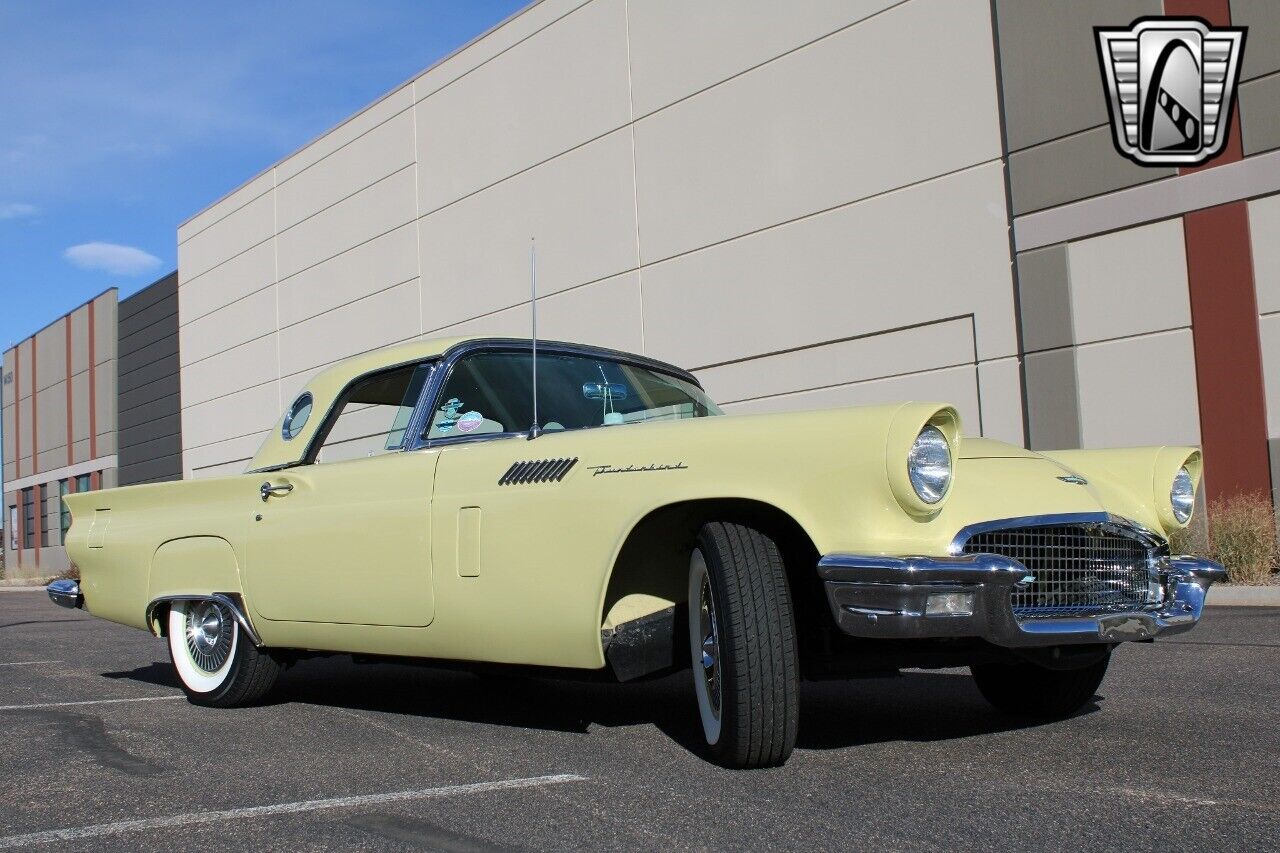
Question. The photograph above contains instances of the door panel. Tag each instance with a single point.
(349, 543)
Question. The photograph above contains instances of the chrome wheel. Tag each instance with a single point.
(210, 632)
(704, 646)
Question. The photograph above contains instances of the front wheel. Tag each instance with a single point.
(1026, 689)
(743, 644)
(215, 662)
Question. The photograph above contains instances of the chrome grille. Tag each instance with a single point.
(1078, 568)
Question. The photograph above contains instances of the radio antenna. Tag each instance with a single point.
(535, 430)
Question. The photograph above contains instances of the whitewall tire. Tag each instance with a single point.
(216, 664)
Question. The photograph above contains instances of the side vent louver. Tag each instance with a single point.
(539, 471)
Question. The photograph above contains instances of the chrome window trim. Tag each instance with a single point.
(1153, 541)
(448, 360)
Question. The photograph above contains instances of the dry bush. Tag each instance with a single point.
(72, 573)
(1241, 535)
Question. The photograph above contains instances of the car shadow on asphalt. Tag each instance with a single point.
(914, 707)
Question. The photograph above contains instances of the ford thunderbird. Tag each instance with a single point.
(578, 511)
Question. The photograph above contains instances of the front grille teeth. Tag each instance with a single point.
(537, 471)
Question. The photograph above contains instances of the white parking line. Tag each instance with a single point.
(29, 662)
(125, 826)
(89, 702)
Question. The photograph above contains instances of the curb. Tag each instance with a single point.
(15, 588)
(1243, 596)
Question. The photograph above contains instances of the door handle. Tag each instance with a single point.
(268, 491)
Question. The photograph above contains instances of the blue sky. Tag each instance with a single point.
(119, 120)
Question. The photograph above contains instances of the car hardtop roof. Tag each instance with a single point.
(327, 385)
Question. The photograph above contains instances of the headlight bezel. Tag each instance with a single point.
(1182, 496)
(908, 422)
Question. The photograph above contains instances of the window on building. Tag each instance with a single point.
(64, 487)
(43, 509)
(13, 527)
(28, 517)
(83, 483)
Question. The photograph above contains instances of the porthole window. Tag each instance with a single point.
(296, 418)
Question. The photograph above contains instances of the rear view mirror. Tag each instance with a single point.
(603, 390)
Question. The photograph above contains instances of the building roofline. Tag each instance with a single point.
(434, 65)
(63, 316)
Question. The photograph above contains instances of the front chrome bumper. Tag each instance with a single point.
(886, 598)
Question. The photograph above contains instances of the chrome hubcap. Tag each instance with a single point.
(710, 644)
(210, 629)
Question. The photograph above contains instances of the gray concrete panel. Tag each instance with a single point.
(1044, 296)
(1066, 170)
(1049, 64)
(1053, 401)
(1262, 47)
(1260, 114)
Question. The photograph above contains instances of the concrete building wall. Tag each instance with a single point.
(149, 410)
(59, 425)
(740, 188)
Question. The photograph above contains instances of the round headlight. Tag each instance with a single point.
(1182, 496)
(929, 465)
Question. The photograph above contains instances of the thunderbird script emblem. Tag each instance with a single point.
(1170, 84)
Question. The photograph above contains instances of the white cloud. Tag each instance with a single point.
(112, 258)
(17, 210)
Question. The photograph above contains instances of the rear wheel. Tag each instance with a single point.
(743, 645)
(216, 664)
(1026, 689)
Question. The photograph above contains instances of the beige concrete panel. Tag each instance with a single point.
(244, 320)
(1000, 395)
(51, 355)
(1264, 233)
(106, 443)
(678, 47)
(234, 201)
(80, 406)
(1079, 166)
(110, 478)
(105, 401)
(1049, 63)
(359, 164)
(1129, 282)
(359, 327)
(6, 372)
(559, 88)
(354, 274)
(51, 422)
(252, 363)
(525, 23)
(361, 217)
(849, 272)
(848, 117)
(606, 313)
(1262, 50)
(222, 458)
(80, 339)
(1260, 113)
(80, 451)
(1269, 331)
(25, 468)
(52, 458)
(239, 277)
(335, 143)
(581, 207)
(875, 356)
(105, 331)
(7, 431)
(226, 238)
(243, 413)
(954, 385)
(1163, 367)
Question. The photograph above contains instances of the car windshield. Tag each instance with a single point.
(492, 393)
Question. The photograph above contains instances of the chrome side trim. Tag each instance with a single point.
(231, 603)
(1132, 528)
(66, 593)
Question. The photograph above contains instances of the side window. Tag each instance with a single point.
(374, 414)
(492, 393)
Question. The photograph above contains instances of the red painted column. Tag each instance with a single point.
(93, 390)
(35, 444)
(17, 443)
(70, 435)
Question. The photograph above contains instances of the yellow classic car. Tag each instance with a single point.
(498, 501)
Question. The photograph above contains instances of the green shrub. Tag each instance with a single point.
(1240, 534)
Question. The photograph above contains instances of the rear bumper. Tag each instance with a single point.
(889, 598)
(66, 593)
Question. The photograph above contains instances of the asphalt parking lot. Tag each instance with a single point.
(98, 750)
